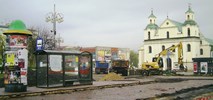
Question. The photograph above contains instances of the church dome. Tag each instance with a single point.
(152, 26)
(190, 22)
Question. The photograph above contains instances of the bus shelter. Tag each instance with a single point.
(63, 68)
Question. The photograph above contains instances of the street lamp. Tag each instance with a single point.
(54, 17)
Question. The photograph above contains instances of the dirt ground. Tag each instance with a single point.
(163, 85)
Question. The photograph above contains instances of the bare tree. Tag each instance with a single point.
(47, 36)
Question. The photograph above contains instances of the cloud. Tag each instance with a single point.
(106, 22)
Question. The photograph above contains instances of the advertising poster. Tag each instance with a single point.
(204, 66)
(85, 66)
(23, 64)
(10, 59)
(18, 41)
(100, 55)
(195, 66)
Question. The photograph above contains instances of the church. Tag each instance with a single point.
(171, 33)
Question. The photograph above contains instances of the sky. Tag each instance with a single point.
(113, 23)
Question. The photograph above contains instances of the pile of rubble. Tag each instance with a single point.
(111, 77)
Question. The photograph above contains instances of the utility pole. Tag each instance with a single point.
(54, 17)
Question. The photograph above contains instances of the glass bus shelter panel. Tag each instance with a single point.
(55, 71)
(71, 68)
(42, 70)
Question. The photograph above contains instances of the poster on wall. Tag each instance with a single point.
(23, 64)
(11, 58)
(18, 41)
(204, 66)
(101, 55)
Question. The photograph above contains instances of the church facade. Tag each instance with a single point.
(169, 33)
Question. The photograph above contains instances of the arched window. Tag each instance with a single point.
(188, 48)
(150, 21)
(163, 47)
(150, 49)
(167, 34)
(149, 35)
(201, 42)
(201, 51)
(188, 31)
(188, 17)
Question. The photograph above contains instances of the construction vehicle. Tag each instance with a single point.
(156, 66)
(120, 67)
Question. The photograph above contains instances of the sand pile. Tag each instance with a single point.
(111, 77)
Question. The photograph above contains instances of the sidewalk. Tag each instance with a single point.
(34, 91)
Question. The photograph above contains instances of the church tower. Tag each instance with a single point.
(189, 14)
(190, 27)
(152, 18)
(151, 28)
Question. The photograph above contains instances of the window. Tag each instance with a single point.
(188, 48)
(150, 21)
(188, 31)
(149, 35)
(167, 23)
(163, 47)
(201, 42)
(188, 17)
(167, 34)
(201, 51)
(150, 49)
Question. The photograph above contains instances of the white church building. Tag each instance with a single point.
(170, 32)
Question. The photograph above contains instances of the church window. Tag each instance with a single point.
(163, 47)
(201, 42)
(150, 21)
(167, 23)
(201, 51)
(188, 17)
(188, 48)
(167, 34)
(188, 31)
(149, 35)
(150, 49)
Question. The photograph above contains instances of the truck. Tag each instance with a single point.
(156, 66)
(101, 67)
(120, 67)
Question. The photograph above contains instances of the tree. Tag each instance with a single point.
(2, 45)
(133, 58)
(47, 36)
(48, 42)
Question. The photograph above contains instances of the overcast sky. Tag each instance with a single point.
(114, 23)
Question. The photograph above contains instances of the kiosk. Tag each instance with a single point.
(16, 57)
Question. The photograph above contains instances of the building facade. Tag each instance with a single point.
(101, 53)
(169, 33)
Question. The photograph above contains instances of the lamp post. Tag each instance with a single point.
(54, 17)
